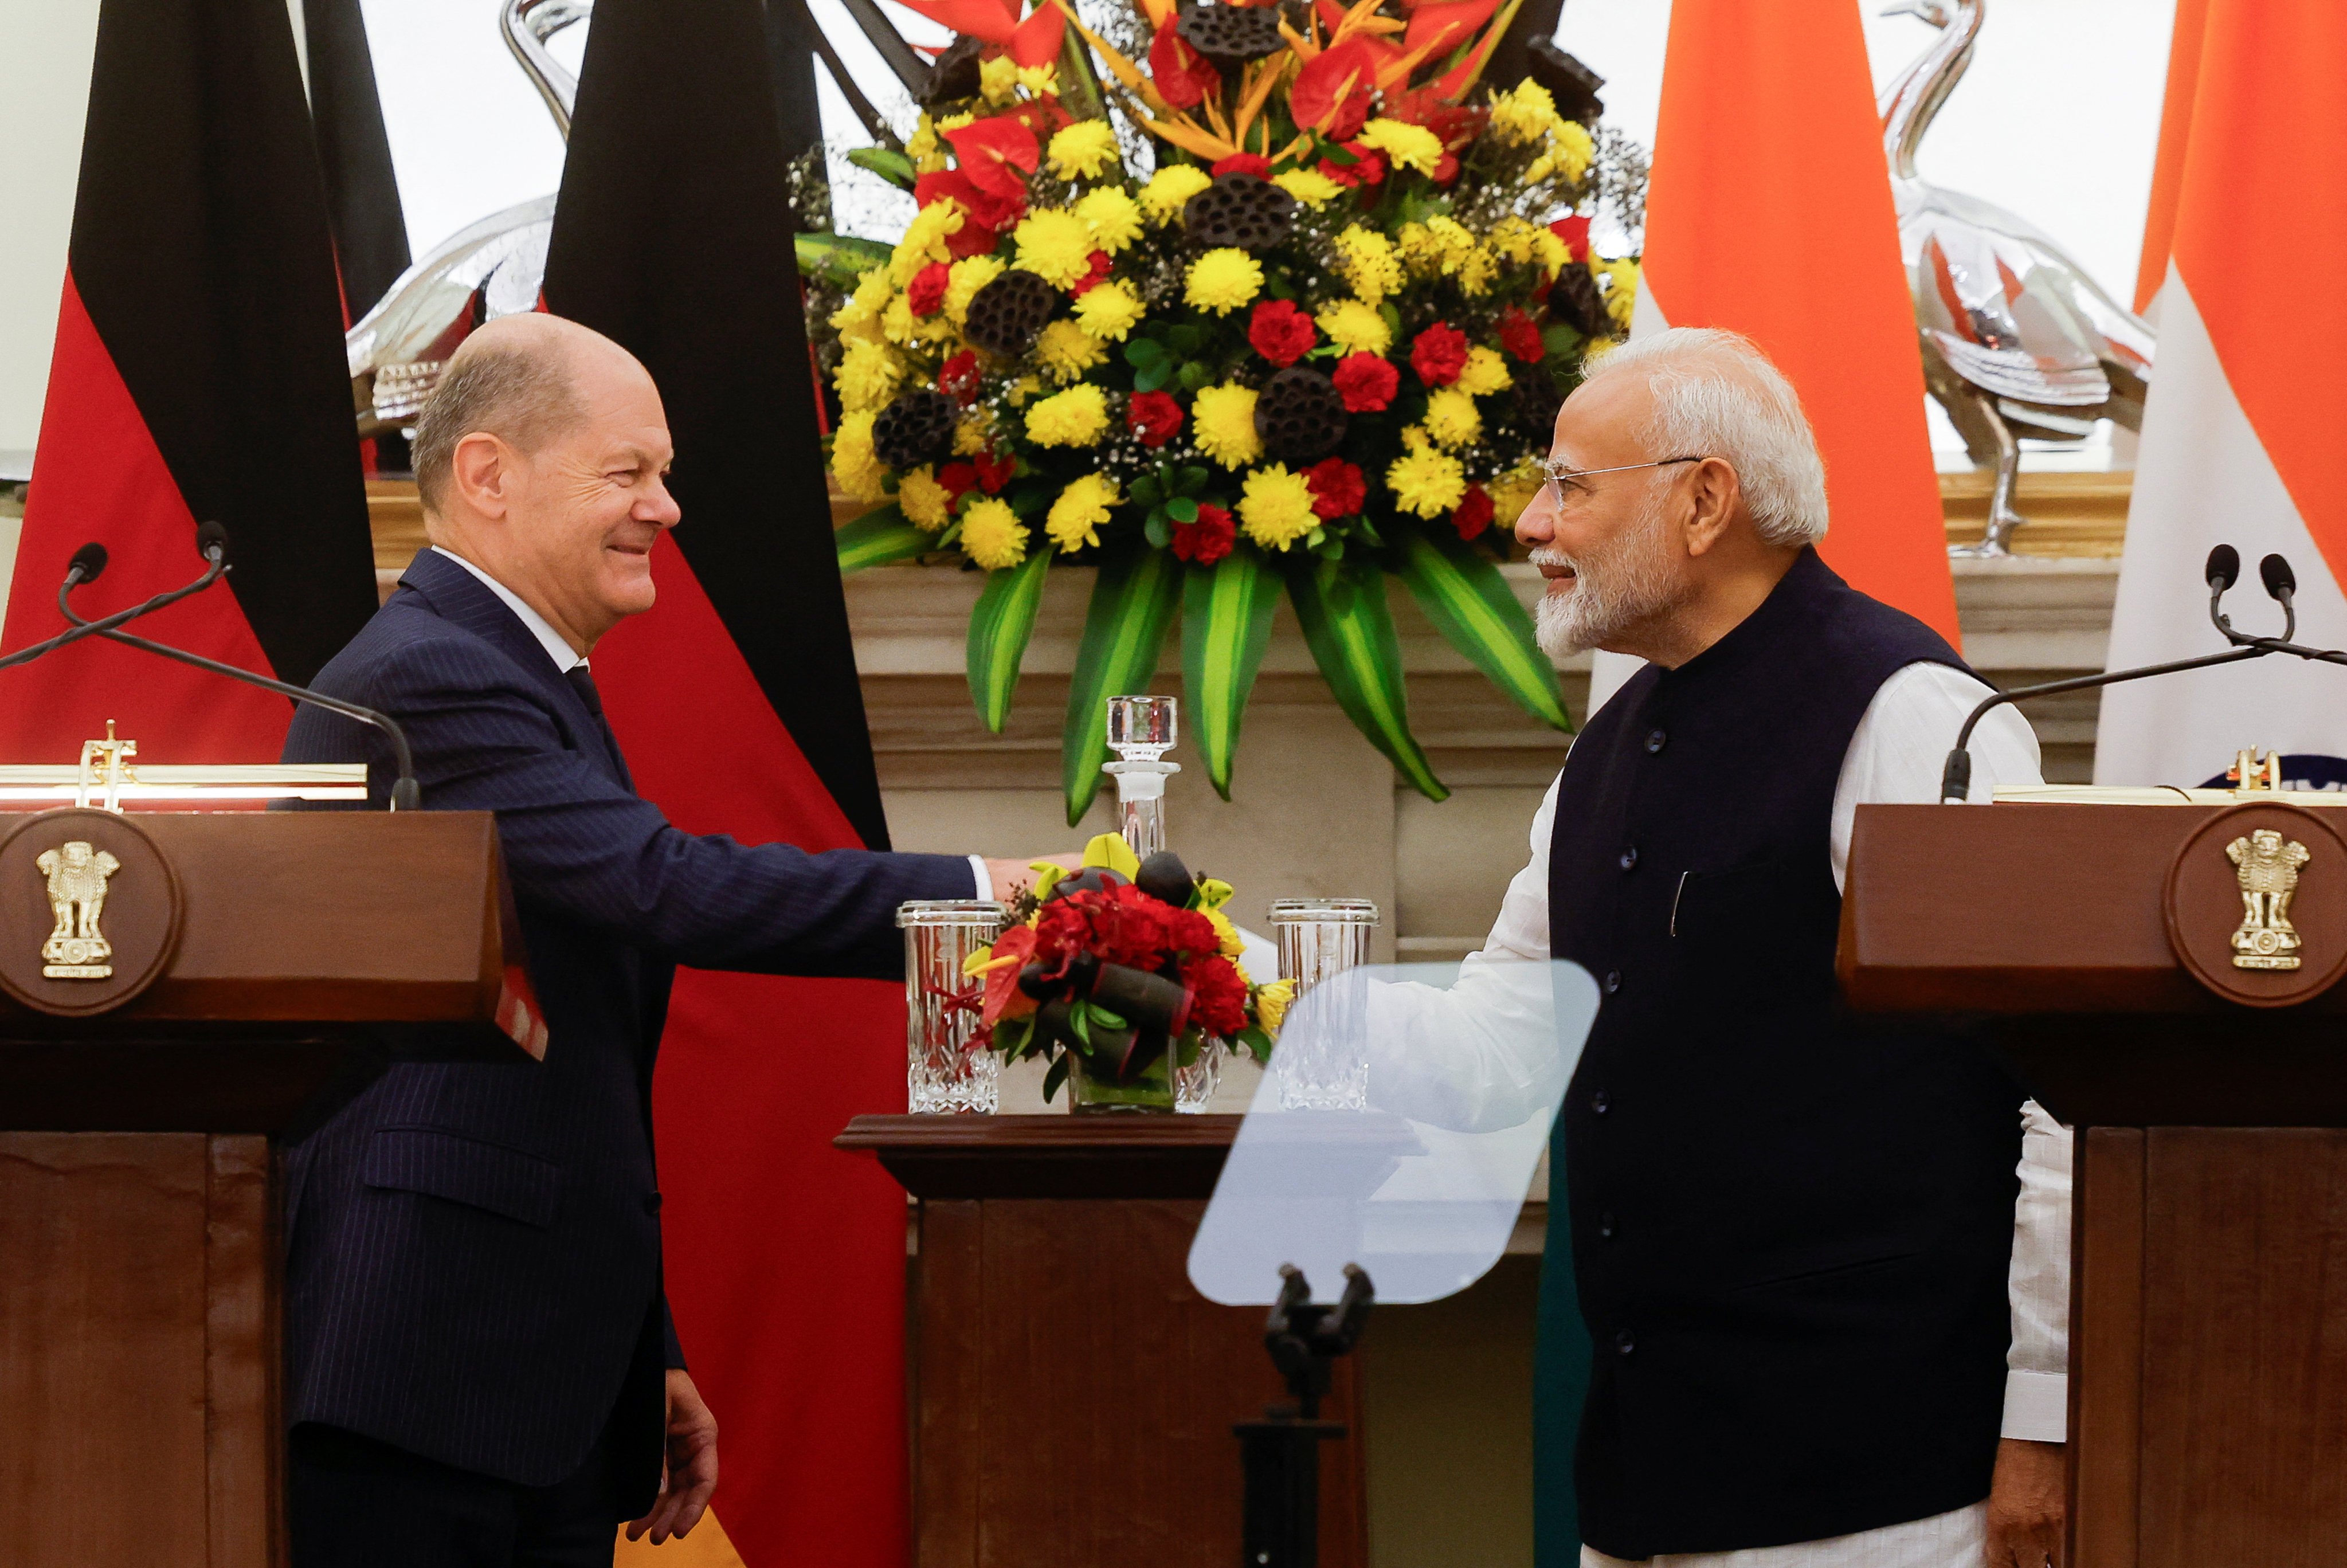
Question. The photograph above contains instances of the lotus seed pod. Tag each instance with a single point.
(917, 428)
(1242, 210)
(1230, 36)
(1005, 315)
(1299, 415)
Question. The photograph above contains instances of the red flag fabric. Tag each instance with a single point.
(737, 703)
(198, 376)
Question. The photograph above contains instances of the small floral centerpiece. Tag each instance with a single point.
(1278, 299)
(1119, 975)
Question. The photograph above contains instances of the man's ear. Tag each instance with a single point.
(481, 470)
(1713, 495)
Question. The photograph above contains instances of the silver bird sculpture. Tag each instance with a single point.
(2018, 340)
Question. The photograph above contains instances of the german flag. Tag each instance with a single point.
(198, 376)
(737, 702)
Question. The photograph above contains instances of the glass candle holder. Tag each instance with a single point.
(1327, 1069)
(944, 1071)
(1140, 731)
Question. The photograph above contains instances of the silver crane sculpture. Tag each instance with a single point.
(2018, 341)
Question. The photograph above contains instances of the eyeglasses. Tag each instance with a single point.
(1561, 476)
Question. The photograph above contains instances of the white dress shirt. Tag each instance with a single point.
(1895, 757)
(567, 658)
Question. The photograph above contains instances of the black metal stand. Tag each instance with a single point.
(1280, 1454)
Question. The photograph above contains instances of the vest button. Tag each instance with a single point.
(1629, 857)
(1599, 1104)
(1624, 1344)
(1613, 981)
(1605, 1226)
(1656, 742)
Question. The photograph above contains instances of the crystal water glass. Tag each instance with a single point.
(1326, 1068)
(943, 1073)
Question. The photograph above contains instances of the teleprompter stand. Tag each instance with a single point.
(1280, 1454)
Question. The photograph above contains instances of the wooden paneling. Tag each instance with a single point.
(2106, 1347)
(242, 1355)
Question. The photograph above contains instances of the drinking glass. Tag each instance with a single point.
(1319, 938)
(944, 1073)
(1140, 731)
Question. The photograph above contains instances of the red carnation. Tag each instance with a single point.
(1218, 996)
(1208, 539)
(1474, 513)
(994, 470)
(1280, 333)
(1154, 417)
(1184, 77)
(1574, 232)
(958, 377)
(959, 479)
(1337, 487)
(926, 292)
(1191, 934)
(1091, 280)
(1520, 337)
(1446, 168)
(1367, 382)
(1438, 354)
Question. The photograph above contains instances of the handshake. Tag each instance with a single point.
(1010, 878)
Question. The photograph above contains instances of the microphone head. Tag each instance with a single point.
(208, 536)
(2280, 581)
(2224, 568)
(89, 560)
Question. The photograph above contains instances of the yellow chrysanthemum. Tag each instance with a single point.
(1066, 351)
(956, 121)
(1082, 150)
(898, 324)
(923, 147)
(1040, 81)
(1427, 482)
(1271, 1004)
(1525, 114)
(1114, 217)
(868, 375)
(853, 463)
(1108, 310)
(1222, 422)
(1367, 260)
(1571, 146)
(860, 317)
(1223, 280)
(1308, 186)
(1076, 417)
(1551, 252)
(1055, 245)
(1276, 507)
(1485, 373)
(992, 535)
(1621, 289)
(1476, 272)
(968, 276)
(924, 241)
(1170, 190)
(1451, 418)
(973, 434)
(998, 78)
(925, 503)
(1025, 387)
(1227, 940)
(1512, 492)
(1075, 518)
(1405, 145)
(1355, 327)
(1438, 246)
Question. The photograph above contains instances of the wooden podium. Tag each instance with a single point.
(2096, 945)
(254, 960)
(1073, 1395)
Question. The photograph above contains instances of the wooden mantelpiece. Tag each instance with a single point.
(1072, 1395)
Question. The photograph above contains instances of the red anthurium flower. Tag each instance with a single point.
(958, 377)
(1337, 487)
(1253, 163)
(1332, 92)
(1575, 232)
(1152, 418)
(987, 213)
(1208, 539)
(1367, 382)
(1474, 513)
(1438, 354)
(997, 154)
(1456, 123)
(994, 470)
(1520, 337)
(1280, 333)
(1091, 280)
(926, 292)
(1003, 997)
(1184, 77)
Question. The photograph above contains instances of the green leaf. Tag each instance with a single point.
(1124, 632)
(1153, 375)
(1190, 479)
(1187, 339)
(1141, 353)
(1558, 339)
(1182, 509)
(1477, 613)
(886, 162)
(1194, 375)
(1056, 1076)
(878, 538)
(1158, 530)
(999, 629)
(838, 259)
(1227, 613)
(1341, 606)
(1107, 1019)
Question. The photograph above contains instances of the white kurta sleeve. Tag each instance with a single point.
(1895, 757)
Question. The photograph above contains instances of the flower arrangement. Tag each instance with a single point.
(1308, 329)
(1119, 973)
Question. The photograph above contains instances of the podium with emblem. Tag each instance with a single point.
(179, 990)
(2162, 967)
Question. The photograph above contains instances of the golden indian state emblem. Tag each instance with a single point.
(76, 949)
(2267, 864)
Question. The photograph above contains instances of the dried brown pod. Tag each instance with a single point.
(1574, 299)
(955, 75)
(1244, 211)
(1005, 315)
(1536, 395)
(917, 428)
(1230, 36)
(1299, 415)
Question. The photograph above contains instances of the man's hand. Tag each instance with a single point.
(688, 1474)
(1013, 875)
(2027, 1505)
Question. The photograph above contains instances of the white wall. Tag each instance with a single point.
(45, 49)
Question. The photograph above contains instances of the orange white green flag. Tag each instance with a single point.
(2241, 442)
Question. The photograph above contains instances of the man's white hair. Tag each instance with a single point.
(1717, 396)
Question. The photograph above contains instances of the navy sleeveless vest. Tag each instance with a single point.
(1789, 1225)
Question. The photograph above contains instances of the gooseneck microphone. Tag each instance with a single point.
(2222, 571)
(212, 540)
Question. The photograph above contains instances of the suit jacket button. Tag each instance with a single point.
(1656, 742)
(653, 1204)
(1599, 1103)
(1613, 981)
(1605, 1226)
(1629, 857)
(1624, 1344)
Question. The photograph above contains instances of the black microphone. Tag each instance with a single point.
(211, 539)
(2224, 568)
(87, 563)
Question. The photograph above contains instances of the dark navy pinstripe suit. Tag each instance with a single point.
(472, 1251)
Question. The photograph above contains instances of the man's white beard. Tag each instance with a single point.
(1618, 587)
